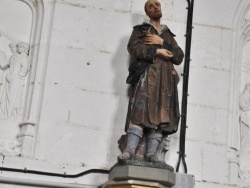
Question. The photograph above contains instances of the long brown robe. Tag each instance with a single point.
(153, 96)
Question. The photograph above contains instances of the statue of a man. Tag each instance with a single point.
(153, 108)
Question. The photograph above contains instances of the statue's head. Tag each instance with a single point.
(13, 47)
(153, 9)
(23, 47)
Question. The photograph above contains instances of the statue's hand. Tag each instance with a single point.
(165, 54)
(153, 39)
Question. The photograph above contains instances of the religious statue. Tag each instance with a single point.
(153, 111)
(3, 65)
(3, 60)
(244, 117)
(14, 81)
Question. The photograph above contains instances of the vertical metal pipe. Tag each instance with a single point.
(185, 75)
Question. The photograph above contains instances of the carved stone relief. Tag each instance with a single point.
(14, 82)
(31, 22)
(3, 65)
(9, 147)
(239, 143)
(244, 118)
(244, 152)
(15, 26)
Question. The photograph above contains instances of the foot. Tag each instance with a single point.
(153, 158)
(126, 155)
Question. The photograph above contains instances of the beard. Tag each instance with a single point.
(156, 16)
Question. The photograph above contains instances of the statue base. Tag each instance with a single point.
(133, 184)
(141, 174)
(184, 181)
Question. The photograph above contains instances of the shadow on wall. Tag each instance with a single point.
(119, 64)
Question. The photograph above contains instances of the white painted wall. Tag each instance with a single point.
(79, 101)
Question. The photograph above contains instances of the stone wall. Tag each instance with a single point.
(74, 97)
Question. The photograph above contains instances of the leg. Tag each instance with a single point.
(134, 133)
(153, 140)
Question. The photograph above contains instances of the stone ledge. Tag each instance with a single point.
(130, 172)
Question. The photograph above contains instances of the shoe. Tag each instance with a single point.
(153, 158)
(134, 136)
(126, 155)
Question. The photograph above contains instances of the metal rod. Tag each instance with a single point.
(101, 171)
(185, 75)
(33, 183)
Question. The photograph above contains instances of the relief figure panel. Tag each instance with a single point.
(11, 98)
(15, 36)
(244, 119)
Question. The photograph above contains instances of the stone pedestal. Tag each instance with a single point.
(184, 181)
(133, 184)
(141, 176)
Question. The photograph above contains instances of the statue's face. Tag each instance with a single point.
(153, 9)
(13, 48)
(20, 49)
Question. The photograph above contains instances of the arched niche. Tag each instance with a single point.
(244, 117)
(239, 86)
(36, 31)
(16, 25)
